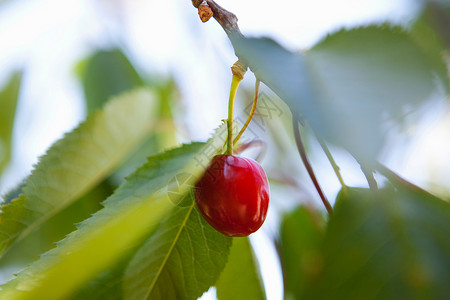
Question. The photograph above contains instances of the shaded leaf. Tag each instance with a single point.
(429, 32)
(128, 215)
(301, 236)
(392, 244)
(8, 102)
(12, 193)
(181, 260)
(77, 162)
(241, 278)
(350, 84)
(369, 76)
(28, 249)
(286, 73)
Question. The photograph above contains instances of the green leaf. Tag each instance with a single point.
(76, 163)
(28, 249)
(106, 74)
(301, 236)
(241, 278)
(106, 285)
(350, 84)
(8, 102)
(392, 244)
(369, 76)
(286, 73)
(128, 215)
(163, 136)
(181, 260)
(429, 34)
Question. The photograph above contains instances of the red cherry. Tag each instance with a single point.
(233, 195)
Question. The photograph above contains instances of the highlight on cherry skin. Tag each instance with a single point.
(233, 195)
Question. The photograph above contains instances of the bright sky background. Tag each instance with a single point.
(50, 36)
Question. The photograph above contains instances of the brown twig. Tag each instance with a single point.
(302, 151)
(226, 19)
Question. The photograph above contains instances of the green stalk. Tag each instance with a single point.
(333, 163)
(234, 85)
(252, 112)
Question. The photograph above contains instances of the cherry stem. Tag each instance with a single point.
(333, 163)
(302, 151)
(234, 85)
(252, 112)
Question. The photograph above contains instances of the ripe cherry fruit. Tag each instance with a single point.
(233, 195)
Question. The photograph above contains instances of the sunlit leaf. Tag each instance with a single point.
(392, 244)
(301, 236)
(241, 278)
(106, 285)
(8, 101)
(78, 162)
(181, 260)
(131, 212)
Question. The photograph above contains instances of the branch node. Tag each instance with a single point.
(239, 69)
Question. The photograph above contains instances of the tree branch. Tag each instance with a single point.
(226, 19)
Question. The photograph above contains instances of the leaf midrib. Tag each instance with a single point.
(169, 253)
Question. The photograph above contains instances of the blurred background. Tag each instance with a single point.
(65, 58)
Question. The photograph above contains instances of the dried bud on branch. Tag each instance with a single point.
(204, 11)
(226, 19)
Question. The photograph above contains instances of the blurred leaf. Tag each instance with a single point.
(286, 73)
(163, 135)
(106, 285)
(8, 101)
(28, 249)
(392, 244)
(128, 215)
(349, 84)
(106, 74)
(181, 260)
(76, 163)
(241, 278)
(168, 95)
(12, 193)
(429, 33)
(301, 236)
(369, 76)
